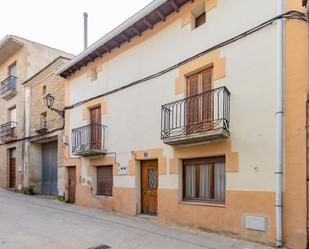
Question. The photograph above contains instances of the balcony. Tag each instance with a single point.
(8, 131)
(42, 129)
(199, 118)
(89, 140)
(8, 87)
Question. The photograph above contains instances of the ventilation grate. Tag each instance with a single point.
(100, 247)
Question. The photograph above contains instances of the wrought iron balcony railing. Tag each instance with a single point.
(8, 87)
(8, 131)
(89, 140)
(42, 127)
(202, 116)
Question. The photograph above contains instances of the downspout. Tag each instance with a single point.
(279, 123)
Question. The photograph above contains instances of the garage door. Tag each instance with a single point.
(50, 169)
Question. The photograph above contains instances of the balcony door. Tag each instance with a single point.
(12, 70)
(95, 128)
(12, 119)
(13, 116)
(199, 104)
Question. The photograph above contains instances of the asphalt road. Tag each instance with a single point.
(30, 222)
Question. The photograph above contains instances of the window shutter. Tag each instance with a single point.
(105, 180)
(206, 80)
(200, 20)
(193, 88)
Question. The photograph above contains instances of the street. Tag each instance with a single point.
(28, 222)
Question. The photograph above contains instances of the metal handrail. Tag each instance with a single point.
(7, 128)
(202, 112)
(89, 137)
(8, 85)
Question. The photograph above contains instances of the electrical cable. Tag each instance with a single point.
(290, 15)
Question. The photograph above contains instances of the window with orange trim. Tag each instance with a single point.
(204, 179)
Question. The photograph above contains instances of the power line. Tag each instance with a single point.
(288, 15)
(293, 14)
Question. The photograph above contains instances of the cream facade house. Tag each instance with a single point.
(44, 148)
(175, 114)
(20, 59)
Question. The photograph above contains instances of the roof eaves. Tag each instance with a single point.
(111, 35)
(44, 68)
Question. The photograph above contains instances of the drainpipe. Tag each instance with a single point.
(279, 124)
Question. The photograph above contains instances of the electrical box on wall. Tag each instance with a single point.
(257, 223)
(122, 169)
(65, 139)
(122, 163)
(20, 168)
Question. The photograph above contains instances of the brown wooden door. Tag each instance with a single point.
(72, 184)
(12, 172)
(95, 132)
(12, 168)
(149, 180)
(105, 180)
(199, 109)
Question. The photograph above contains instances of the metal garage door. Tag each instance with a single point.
(50, 169)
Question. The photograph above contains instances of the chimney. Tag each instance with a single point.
(85, 30)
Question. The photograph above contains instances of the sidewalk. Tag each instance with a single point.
(30, 222)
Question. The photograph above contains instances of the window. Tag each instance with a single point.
(105, 180)
(93, 74)
(43, 90)
(200, 20)
(204, 179)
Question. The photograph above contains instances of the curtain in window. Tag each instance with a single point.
(190, 181)
(220, 181)
(205, 181)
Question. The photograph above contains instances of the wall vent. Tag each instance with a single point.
(100, 247)
(258, 223)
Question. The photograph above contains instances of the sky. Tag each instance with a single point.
(59, 23)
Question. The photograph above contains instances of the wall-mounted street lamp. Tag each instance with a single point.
(49, 102)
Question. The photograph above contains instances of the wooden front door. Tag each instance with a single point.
(72, 184)
(95, 128)
(12, 168)
(149, 180)
(199, 108)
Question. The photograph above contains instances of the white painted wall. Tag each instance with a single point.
(134, 118)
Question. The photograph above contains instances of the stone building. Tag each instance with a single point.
(44, 150)
(20, 59)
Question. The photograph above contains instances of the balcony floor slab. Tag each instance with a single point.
(198, 137)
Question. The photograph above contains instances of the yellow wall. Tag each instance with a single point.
(296, 82)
